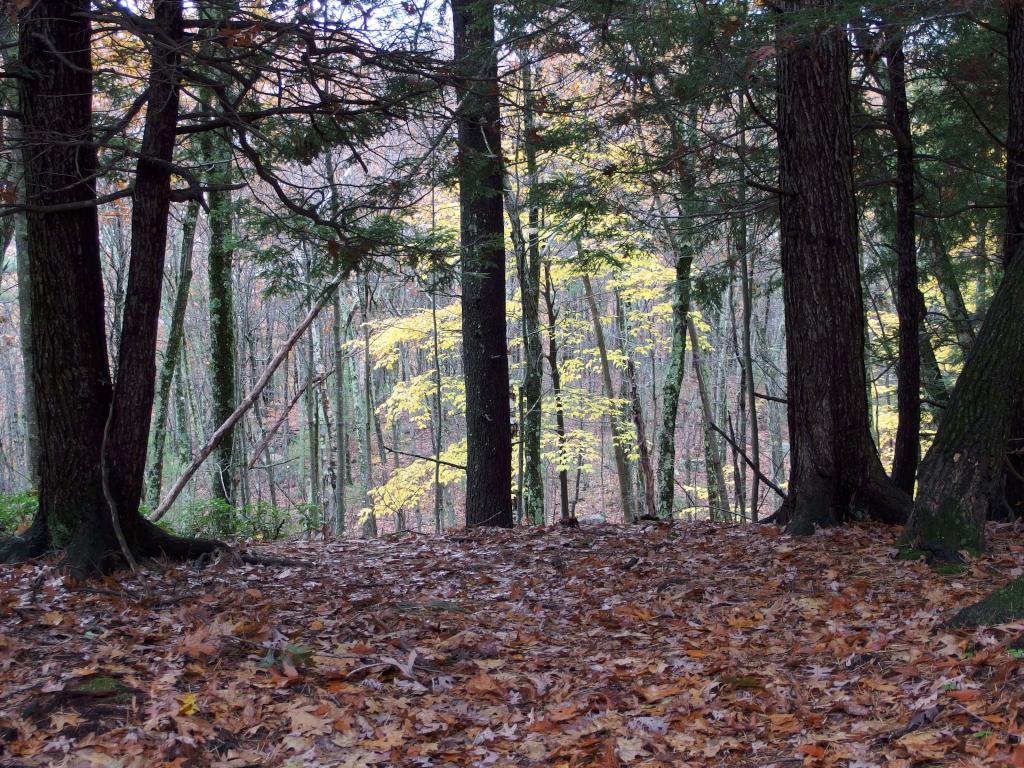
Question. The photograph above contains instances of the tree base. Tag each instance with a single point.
(1002, 606)
(95, 551)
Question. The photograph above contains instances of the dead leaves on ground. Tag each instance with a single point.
(664, 646)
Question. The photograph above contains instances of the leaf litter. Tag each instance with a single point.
(662, 645)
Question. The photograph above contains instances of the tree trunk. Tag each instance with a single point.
(95, 521)
(961, 477)
(636, 410)
(1014, 490)
(217, 156)
(567, 514)
(747, 287)
(172, 353)
(835, 469)
(618, 433)
(674, 373)
(341, 458)
(529, 281)
(952, 297)
(21, 248)
(718, 497)
(482, 227)
(907, 452)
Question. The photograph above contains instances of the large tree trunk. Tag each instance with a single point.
(151, 200)
(482, 228)
(72, 377)
(908, 299)
(962, 474)
(835, 468)
(963, 477)
(1014, 492)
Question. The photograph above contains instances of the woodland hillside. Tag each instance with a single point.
(521, 382)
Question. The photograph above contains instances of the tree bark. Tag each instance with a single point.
(529, 281)
(835, 469)
(172, 353)
(96, 522)
(673, 383)
(1014, 482)
(907, 452)
(567, 514)
(718, 497)
(482, 228)
(961, 477)
(618, 433)
(216, 153)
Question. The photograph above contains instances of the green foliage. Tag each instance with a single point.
(16, 510)
(215, 517)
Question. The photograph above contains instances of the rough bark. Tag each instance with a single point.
(835, 470)
(72, 376)
(1014, 483)
(482, 226)
(961, 477)
(216, 152)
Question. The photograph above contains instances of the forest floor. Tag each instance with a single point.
(657, 646)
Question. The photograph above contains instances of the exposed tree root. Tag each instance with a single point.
(1002, 606)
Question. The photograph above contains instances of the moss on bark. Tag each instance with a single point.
(1002, 606)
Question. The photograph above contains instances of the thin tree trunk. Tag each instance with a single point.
(636, 410)
(718, 499)
(215, 148)
(949, 286)
(674, 373)
(567, 515)
(172, 353)
(341, 458)
(907, 451)
(529, 281)
(747, 288)
(618, 433)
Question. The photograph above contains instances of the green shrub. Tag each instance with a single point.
(208, 517)
(215, 518)
(16, 509)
